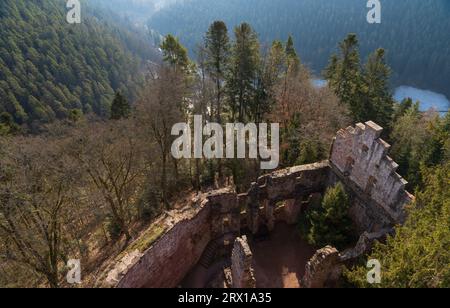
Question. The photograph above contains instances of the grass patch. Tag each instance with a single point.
(148, 238)
(145, 240)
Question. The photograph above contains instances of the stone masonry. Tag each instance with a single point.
(242, 265)
(323, 269)
(358, 159)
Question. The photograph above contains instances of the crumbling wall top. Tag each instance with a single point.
(242, 271)
(360, 155)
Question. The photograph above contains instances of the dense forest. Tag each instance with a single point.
(50, 69)
(413, 32)
(137, 11)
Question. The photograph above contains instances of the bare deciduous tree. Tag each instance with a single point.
(36, 190)
(162, 104)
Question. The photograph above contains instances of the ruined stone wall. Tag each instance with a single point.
(215, 216)
(242, 272)
(169, 259)
(323, 270)
(289, 185)
(359, 159)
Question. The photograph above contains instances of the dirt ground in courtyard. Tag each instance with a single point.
(280, 260)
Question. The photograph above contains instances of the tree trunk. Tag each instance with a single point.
(164, 181)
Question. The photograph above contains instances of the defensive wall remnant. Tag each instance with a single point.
(358, 159)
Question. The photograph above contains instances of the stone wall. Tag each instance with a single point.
(323, 270)
(169, 259)
(287, 185)
(242, 265)
(359, 159)
(215, 216)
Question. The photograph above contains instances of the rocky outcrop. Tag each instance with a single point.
(242, 273)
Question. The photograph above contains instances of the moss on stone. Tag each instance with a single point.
(145, 240)
(148, 238)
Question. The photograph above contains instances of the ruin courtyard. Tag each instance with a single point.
(223, 239)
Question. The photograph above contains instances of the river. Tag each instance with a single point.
(428, 99)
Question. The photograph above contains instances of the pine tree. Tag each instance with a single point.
(175, 54)
(7, 124)
(331, 225)
(418, 255)
(293, 59)
(330, 71)
(345, 78)
(272, 67)
(378, 99)
(217, 46)
(278, 60)
(120, 107)
(245, 61)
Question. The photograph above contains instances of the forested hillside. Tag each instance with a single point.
(50, 69)
(136, 10)
(414, 32)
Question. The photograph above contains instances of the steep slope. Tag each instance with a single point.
(48, 68)
(414, 32)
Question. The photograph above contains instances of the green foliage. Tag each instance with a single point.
(49, 67)
(329, 224)
(419, 141)
(217, 44)
(217, 47)
(174, 53)
(344, 76)
(418, 256)
(298, 149)
(7, 124)
(245, 61)
(120, 108)
(310, 152)
(320, 23)
(378, 101)
(364, 90)
(292, 56)
(113, 228)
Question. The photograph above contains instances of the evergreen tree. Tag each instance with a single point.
(345, 77)
(310, 152)
(378, 99)
(401, 108)
(418, 255)
(217, 45)
(293, 59)
(331, 225)
(271, 68)
(278, 61)
(48, 68)
(422, 61)
(7, 124)
(245, 61)
(175, 54)
(120, 108)
(331, 70)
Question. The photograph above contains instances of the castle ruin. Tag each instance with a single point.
(213, 226)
